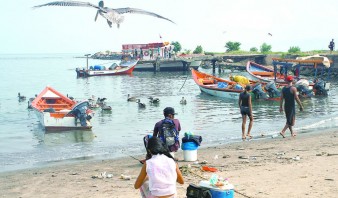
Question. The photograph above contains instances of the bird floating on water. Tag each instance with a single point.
(21, 98)
(110, 14)
(140, 104)
(131, 98)
(153, 100)
(183, 101)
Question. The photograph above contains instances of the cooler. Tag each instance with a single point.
(217, 193)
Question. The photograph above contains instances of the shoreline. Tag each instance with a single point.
(257, 168)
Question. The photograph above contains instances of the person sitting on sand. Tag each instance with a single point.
(160, 173)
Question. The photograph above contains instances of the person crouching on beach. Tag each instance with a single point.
(289, 94)
(245, 106)
(160, 173)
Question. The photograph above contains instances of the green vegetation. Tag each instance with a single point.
(232, 46)
(253, 49)
(265, 48)
(198, 50)
(177, 46)
(294, 49)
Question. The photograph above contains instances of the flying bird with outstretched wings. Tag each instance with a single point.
(269, 34)
(110, 14)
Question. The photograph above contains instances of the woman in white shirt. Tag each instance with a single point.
(160, 173)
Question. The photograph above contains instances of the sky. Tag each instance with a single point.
(308, 24)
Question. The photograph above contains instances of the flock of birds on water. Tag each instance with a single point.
(101, 102)
(112, 15)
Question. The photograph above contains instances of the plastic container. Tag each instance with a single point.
(190, 155)
(217, 193)
(222, 85)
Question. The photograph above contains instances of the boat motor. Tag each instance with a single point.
(303, 88)
(272, 90)
(80, 112)
(258, 92)
(319, 88)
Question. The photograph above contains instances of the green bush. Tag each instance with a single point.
(253, 49)
(265, 48)
(294, 49)
(232, 46)
(198, 50)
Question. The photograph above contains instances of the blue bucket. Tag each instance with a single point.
(189, 146)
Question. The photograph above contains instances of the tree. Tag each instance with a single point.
(177, 46)
(198, 50)
(253, 49)
(294, 49)
(232, 46)
(265, 48)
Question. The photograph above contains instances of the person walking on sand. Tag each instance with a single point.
(245, 106)
(160, 173)
(289, 95)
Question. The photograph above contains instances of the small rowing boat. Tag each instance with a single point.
(220, 87)
(125, 67)
(57, 112)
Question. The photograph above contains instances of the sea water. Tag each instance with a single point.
(24, 143)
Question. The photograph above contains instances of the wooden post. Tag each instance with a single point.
(213, 65)
(87, 59)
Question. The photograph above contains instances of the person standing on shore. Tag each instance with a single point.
(331, 46)
(289, 95)
(245, 106)
(160, 173)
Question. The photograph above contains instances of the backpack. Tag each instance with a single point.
(194, 191)
(169, 135)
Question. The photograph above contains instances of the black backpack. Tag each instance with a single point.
(169, 135)
(194, 191)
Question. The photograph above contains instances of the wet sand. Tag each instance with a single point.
(257, 168)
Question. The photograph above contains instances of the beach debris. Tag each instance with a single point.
(243, 157)
(102, 175)
(297, 158)
(329, 179)
(332, 154)
(216, 157)
(226, 156)
(125, 177)
(204, 162)
(208, 168)
(280, 153)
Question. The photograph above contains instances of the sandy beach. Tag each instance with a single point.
(257, 168)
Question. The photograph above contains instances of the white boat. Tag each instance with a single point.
(124, 67)
(168, 65)
(57, 112)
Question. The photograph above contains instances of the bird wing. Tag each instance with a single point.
(139, 11)
(68, 3)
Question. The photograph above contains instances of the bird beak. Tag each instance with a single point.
(97, 14)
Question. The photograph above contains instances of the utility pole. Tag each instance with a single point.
(87, 59)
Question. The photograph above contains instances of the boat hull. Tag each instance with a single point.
(220, 93)
(122, 69)
(57, 112)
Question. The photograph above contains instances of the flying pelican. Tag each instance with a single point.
(112, 15)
